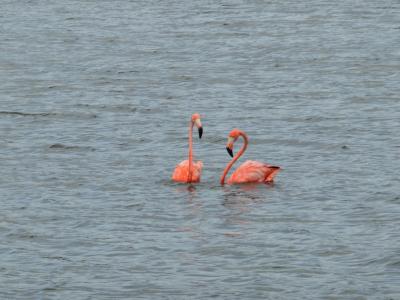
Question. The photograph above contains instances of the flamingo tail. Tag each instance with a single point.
(270, 176)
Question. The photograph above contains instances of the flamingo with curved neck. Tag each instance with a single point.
(250, 171)
(188, 171)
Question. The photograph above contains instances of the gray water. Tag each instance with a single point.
(95, 99)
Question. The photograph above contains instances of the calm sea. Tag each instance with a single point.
(95, 98)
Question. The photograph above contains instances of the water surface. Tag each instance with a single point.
(95, 97)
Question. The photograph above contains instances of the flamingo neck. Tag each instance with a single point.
(236, 157)
(189, 180)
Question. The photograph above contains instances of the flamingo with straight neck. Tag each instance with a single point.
(189, 171)
(250, 171)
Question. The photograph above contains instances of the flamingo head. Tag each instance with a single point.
(233, 136)
(196, 121)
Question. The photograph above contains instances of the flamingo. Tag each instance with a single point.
(250, 171)
(189, 171)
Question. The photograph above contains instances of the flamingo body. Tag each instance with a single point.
(253, 172)
(181, 172)
(250, 171)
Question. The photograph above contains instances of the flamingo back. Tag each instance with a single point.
(181, 172)
(253, 171)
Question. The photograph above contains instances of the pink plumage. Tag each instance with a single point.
(250, 171)
(181, 172)
(253, 171)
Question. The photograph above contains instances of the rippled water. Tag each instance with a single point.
(95, 98)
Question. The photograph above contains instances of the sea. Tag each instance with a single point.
(95, 103)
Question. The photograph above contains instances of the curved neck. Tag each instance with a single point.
(189, 180)
(236, 157)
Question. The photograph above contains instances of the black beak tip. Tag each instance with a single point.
(229, 151)
(200, 132)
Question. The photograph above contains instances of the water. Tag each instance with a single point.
(95, 97)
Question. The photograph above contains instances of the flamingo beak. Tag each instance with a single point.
(197, 122)
(229, 146)
(229, 151)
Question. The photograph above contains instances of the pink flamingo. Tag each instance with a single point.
(249, 171)
(189, 171)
